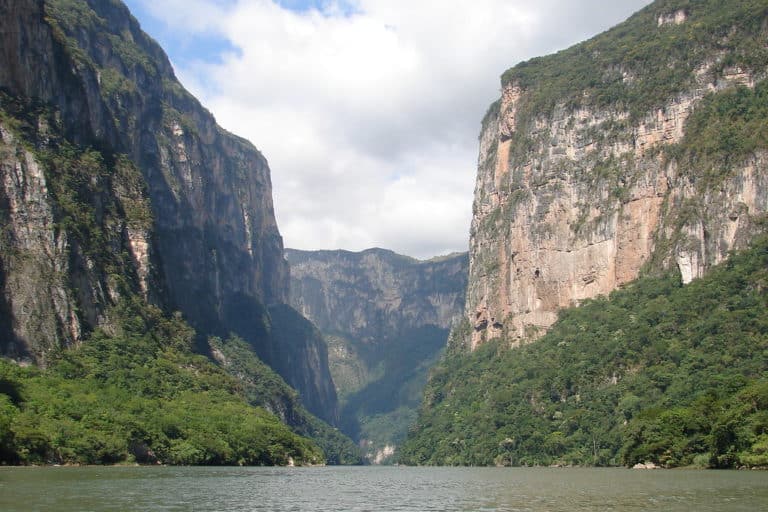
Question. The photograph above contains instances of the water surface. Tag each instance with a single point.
(125, 489)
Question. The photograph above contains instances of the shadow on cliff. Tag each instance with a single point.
(406, 359)
(9, 344)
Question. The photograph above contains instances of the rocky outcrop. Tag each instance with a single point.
(386, 318)
(209, 245)
(579, 190)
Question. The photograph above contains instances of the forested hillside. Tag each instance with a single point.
(608, 321)
(138, 395)
(659, 372)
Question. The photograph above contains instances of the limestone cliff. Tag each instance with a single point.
(637, 150)
(386, 318)
(186, 206)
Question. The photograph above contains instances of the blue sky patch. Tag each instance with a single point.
(347, 7)
(182, 48)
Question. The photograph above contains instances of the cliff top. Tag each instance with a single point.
(649, 58)
(295, 256)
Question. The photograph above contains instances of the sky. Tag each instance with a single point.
(368, 111)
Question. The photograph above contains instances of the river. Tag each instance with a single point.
(125, 489)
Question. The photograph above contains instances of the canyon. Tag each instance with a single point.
(385, 318)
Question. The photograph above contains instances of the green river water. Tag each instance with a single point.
(65, 489)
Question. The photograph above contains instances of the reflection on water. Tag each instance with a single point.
(378, 488)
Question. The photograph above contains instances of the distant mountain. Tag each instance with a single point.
(386, 319)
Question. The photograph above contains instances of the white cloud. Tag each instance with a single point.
(370, 120)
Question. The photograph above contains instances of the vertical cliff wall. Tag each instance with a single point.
(208, 245)
(373, 293)
(640, 149)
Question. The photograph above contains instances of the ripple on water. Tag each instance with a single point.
(362, 489)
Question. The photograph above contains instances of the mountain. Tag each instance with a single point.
(640, 149)
(640, 153)
(386, 318)
(119, 189)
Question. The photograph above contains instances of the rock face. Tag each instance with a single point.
(37, 303)
(386, 318)
(191, 213)
(592, 168)
(373, 293)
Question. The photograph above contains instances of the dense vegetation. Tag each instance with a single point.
(723, 130)
(676, 375)
(265, 388)
(137, 395)
(638, 65)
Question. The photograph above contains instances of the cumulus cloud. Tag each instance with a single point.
(368, 111)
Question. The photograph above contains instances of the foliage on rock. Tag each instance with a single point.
(265, 388)
(641, 63)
